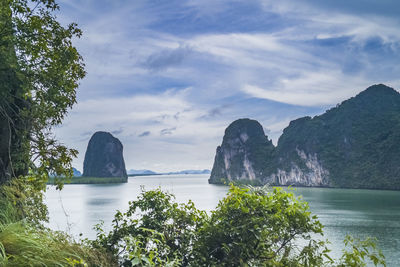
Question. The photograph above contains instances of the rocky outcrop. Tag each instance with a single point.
(244, 153)
(353, 145)
(104, 157)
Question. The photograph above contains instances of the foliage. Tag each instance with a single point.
(145, 250)
(155, 223)
(257, 229)
(40, 73)
(23, 199)
(359, 251)
(250, 227)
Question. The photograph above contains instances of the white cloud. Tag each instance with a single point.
(311, 89)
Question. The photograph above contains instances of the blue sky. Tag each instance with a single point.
(167, 77)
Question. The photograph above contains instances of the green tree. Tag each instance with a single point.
(255, 228)
(155, 229)
(39, 74)
(249, 227)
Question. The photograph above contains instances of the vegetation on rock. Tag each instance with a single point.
(355, 141)
(353, 145)
(88, 180)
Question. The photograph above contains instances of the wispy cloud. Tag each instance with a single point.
(166, 58)
(146, 133)
(312, 89)
(167, 131)
(117, 132)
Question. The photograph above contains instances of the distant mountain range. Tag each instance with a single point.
(149, 172)
(190, 172)
(76, 172)
(132, 171)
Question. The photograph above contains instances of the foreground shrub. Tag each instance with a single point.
(258, 228)
(155, 230)
(249, 227)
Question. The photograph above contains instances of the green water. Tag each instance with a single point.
(360, 213)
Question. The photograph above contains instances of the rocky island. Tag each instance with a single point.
(353, 145)
(104, 157)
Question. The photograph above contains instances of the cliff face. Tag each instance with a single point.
(354, 145)
(244, 154)
(104, 157)
(306, 170)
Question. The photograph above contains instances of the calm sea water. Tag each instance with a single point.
(360, 213)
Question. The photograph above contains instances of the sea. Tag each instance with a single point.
(360, 213)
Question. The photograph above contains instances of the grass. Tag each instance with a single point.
(90, 180)
(25, 243)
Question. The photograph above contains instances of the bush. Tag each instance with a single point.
(249, 227)
(155, 229)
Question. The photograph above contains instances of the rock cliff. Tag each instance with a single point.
(353, 145)
(244, 154)
(104, 157)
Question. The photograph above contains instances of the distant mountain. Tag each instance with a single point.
(191, 172)
(76, 172)
(353, 145)
(132, 171)
(148, 172)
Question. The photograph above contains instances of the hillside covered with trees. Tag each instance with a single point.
(353, 145)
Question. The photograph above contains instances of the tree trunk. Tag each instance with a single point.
(5, 167)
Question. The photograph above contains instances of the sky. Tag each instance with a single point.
(167, 77)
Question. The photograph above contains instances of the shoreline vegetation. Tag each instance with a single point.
(257, 183)
(88, 180)
(157, 231)
(100, 180)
